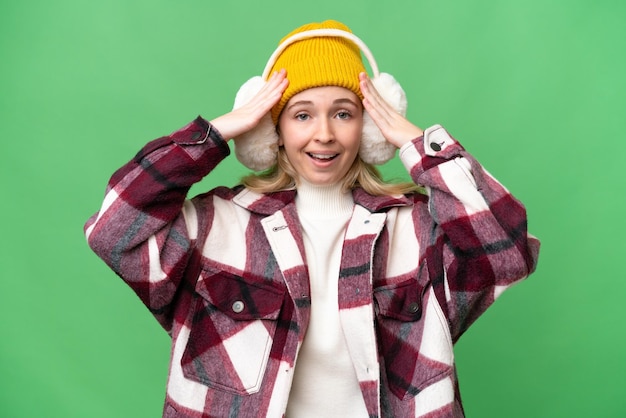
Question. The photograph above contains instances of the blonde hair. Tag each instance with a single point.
(282, 176)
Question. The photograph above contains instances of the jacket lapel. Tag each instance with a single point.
(284, 235)
(356, 310)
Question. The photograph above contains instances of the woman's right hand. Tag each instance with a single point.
(243, 119)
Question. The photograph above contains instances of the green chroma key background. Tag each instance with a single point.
(534, 89)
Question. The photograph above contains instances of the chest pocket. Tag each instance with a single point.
(232, 332)
(414, 342)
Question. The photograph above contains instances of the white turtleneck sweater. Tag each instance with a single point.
(325, 383)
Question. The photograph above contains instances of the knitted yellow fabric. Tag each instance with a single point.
(317, 62)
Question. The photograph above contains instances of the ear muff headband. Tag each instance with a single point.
(257, 149)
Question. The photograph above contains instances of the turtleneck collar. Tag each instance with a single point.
(323, 202)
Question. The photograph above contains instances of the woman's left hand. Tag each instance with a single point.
(395, 128)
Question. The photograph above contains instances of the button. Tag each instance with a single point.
(414, 307)
(435, 146)
(196, 135)
(238, 306)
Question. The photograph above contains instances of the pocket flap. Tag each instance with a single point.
(239, 298)
(402, 301)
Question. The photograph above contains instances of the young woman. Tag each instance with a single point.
(314, 289)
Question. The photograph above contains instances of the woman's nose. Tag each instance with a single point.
(324, 131)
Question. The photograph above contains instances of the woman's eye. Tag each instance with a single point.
(343, 115)
(302, 116)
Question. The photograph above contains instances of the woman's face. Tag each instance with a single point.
(320, 129)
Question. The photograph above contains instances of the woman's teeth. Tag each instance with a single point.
(323, 156)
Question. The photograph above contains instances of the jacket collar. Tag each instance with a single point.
(267, 204)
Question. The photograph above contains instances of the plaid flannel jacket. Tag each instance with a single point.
(225, 274)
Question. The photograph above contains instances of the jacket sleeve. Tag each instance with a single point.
(142, 231)
(481, 226)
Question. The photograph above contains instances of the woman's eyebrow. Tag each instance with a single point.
(345, 100)
(300, 103)
(339, 101)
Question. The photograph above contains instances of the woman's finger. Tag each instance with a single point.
(395, 128)
(374, 97)
(269, 94)
(246, 117)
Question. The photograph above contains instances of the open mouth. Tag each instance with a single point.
(322, 157)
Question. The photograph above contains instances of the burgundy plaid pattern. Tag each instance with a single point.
(226, 276)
